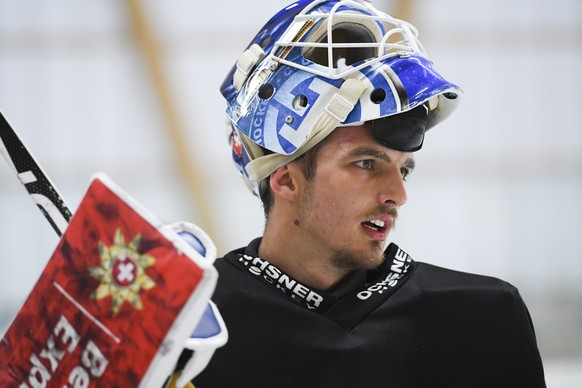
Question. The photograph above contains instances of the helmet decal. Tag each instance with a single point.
(276, 123)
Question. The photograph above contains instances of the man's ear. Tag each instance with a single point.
(283, 182)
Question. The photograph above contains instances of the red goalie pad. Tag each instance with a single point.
(115, 303)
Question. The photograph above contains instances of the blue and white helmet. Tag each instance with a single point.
(320, 64)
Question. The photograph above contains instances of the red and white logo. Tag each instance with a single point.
(236, 144)
(124, 271)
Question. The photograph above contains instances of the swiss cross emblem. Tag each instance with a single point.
(236, 144)
(124, 271)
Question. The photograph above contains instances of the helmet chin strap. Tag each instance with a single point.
(336, 111)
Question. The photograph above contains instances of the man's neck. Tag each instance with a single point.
(298, 259)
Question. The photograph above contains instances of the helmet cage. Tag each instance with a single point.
(315, 31)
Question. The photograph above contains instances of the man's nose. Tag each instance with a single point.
(393, 191)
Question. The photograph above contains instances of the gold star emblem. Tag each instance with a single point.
(122, 272)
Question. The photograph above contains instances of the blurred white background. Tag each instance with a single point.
(497, 190)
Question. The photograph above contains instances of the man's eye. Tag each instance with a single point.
(366, 164)
(404, 172)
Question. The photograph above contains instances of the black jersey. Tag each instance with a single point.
(406, 324)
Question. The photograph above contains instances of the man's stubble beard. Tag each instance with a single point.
(347, 259)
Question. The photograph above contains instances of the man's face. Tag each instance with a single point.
(350, 205)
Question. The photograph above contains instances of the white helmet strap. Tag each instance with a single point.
(245, 64)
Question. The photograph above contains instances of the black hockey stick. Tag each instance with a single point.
(38, 185)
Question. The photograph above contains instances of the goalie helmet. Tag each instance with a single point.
(319, 64)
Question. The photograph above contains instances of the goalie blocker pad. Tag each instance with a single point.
(116, 302)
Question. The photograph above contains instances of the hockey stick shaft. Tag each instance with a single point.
(32, 176)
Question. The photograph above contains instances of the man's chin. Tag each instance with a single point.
(351, 259)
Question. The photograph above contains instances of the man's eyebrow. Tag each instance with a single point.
(365, 151)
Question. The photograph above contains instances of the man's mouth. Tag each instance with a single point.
(375, 225)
